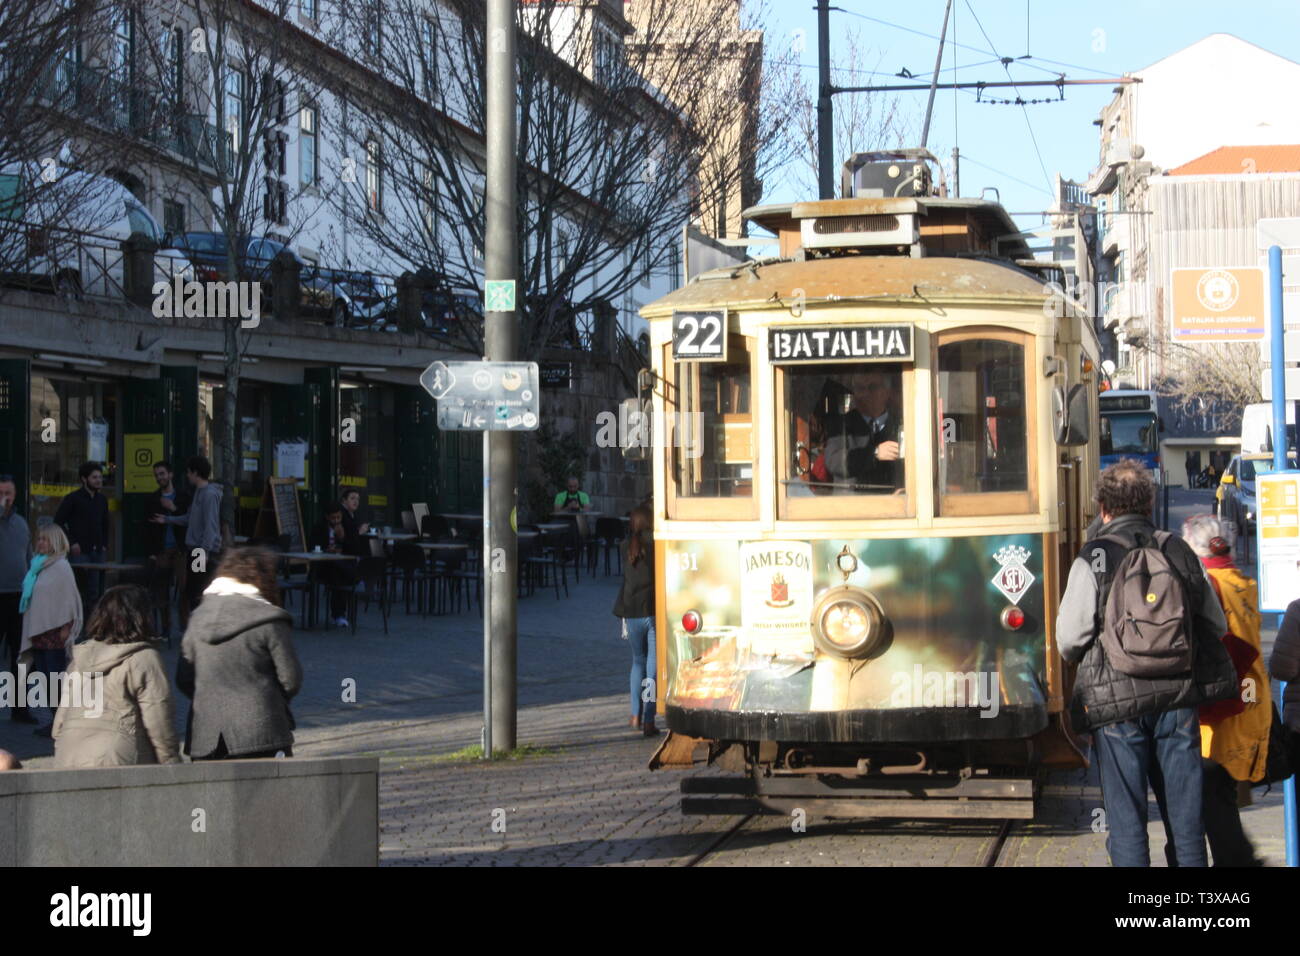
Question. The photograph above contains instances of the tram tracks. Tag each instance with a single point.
(989, 856)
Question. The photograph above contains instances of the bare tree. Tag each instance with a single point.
(1211, 382)
(227, 74)
(611, 163)
(62, 113)
(862, 121)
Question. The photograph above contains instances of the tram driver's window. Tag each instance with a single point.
(846, 430)
(712, 431)
(982, 427)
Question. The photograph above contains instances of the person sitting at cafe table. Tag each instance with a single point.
(331, 536)
(352, 523)
(572, 499)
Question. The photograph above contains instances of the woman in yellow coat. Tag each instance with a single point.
(1234, 733)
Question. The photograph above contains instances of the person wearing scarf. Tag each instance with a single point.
(1234, 732)
(51, 609)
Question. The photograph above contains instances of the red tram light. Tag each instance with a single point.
(1013, 619)
(692, 622)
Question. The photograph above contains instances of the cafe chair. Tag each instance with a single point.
(453, 575)
(408, 523)
(292, 583)
(372, 584)
(412, 569)
(435, 528)
(549, 561)
(609, 534)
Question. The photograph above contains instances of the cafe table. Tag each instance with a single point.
(315, 557)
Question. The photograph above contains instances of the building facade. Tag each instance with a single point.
(312, 113)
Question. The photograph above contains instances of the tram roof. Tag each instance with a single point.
(854, 278)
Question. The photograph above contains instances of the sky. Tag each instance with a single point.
(1098, 38)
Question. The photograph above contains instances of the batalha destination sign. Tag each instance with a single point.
(829, 343)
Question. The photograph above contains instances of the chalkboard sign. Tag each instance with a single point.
(281, 500)
(555, 374)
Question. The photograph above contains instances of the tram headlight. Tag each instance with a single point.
(848, 623)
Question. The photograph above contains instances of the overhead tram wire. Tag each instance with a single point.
(1028, 60)
(993, 169)
(1028, 124)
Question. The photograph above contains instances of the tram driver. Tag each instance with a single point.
(863, 445)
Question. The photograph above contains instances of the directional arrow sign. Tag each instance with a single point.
(479, 396)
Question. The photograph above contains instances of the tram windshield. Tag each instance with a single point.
(1132, 433)
(846, 430)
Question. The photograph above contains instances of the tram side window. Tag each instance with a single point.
(712, 445)
(983, 430)
(845, 430)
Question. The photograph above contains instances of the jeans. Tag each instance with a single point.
(51, 664)
(1229, 845)
(1165, 749)
(641, 635)
(92, 582)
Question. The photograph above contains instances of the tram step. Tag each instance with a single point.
(921, 787)
(860, 808)
(705, 807)
(730, 785)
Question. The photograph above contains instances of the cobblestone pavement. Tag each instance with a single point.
(587, 797)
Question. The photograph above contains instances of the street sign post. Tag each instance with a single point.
(484, 396)
(490, 397)
(1279, 500)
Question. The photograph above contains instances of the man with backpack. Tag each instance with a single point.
(1142, 622)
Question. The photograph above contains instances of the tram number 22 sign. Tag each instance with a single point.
(700, 336)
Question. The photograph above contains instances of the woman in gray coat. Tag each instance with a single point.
(238, 664)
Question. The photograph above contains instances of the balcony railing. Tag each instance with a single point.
(98, 97)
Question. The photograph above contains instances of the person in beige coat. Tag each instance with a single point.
(51, 609)
(117, 707)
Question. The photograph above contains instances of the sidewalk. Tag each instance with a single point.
(588, 799)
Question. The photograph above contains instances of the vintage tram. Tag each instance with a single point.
(875, 461)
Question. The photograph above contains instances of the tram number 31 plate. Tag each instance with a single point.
(700, 336)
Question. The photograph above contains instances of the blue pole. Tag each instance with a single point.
(1278, 330)
(1278, 348)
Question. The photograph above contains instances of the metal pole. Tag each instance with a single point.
(486, 544)
(934, 80)
(956, 173)
(1277, 347)
(825, 121)
(1278, 353)
(501, 344)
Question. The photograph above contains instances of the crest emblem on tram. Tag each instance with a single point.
(1013, 578)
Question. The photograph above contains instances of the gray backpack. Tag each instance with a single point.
(1147, 629)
